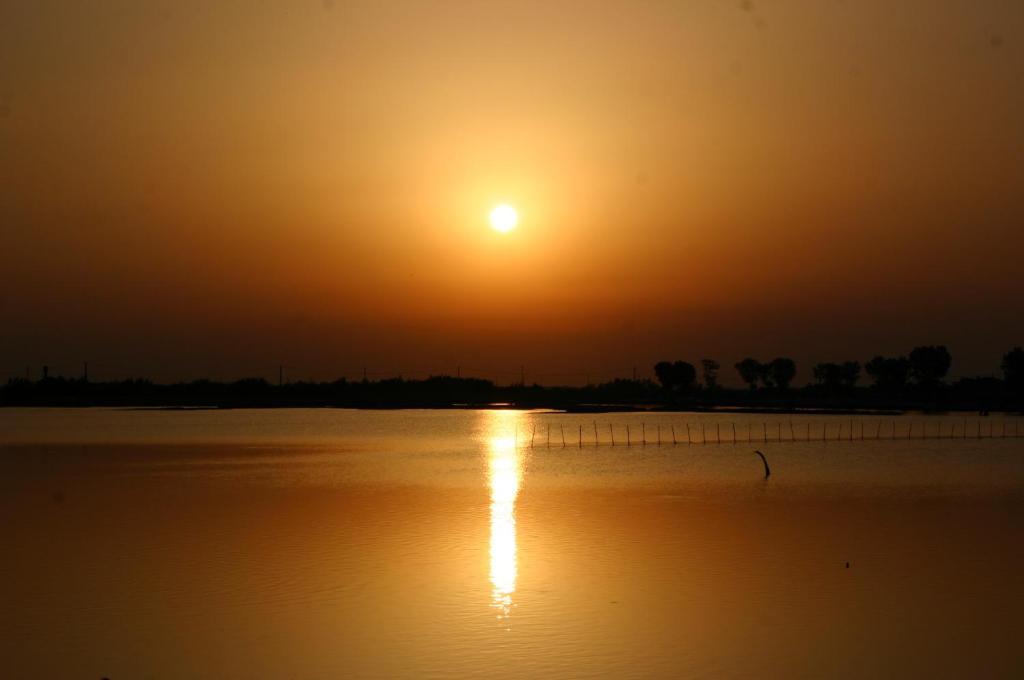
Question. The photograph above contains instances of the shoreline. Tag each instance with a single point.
(553, 408)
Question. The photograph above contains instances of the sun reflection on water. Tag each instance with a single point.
(505, 473)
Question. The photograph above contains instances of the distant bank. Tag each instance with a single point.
(981, 395)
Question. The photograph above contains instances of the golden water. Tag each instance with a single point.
(322, 544)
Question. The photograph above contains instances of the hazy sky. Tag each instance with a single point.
(198, 188)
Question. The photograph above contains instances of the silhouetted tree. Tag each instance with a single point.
(782, 371)
(889, 373)
(750, 371)
(828, 375)
(709, 368)
(663, 372)
(685, 375)
(834, 377)
(849, 373)
(1013, 369)
(929, 364)
(678, 376)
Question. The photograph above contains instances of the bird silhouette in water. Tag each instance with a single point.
(767, 470)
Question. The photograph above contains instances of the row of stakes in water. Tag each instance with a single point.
(669, 434)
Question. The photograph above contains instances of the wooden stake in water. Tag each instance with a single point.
(767, 470)
(549, 436)
(703, 434)
(733, 433)
(659, 434)
(718, 433)
(764, 432)
(673, 434)
(533, 434)
(596, 441)
(611, 433)
(629, 441)
(689, 440)
(643, 427)
(581, 436)
(562, 430)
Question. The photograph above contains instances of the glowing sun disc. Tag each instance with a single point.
(504, 218)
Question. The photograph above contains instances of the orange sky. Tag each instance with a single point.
(211, 188)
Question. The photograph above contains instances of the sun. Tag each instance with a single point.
(504, 218)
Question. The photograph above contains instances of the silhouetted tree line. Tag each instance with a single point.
(776, 374)
(433, 392)
(916, 380)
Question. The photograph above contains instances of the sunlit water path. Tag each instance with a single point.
(505, 472)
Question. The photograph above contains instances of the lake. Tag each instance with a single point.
(506, 544)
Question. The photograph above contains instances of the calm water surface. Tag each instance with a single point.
(332, 543)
